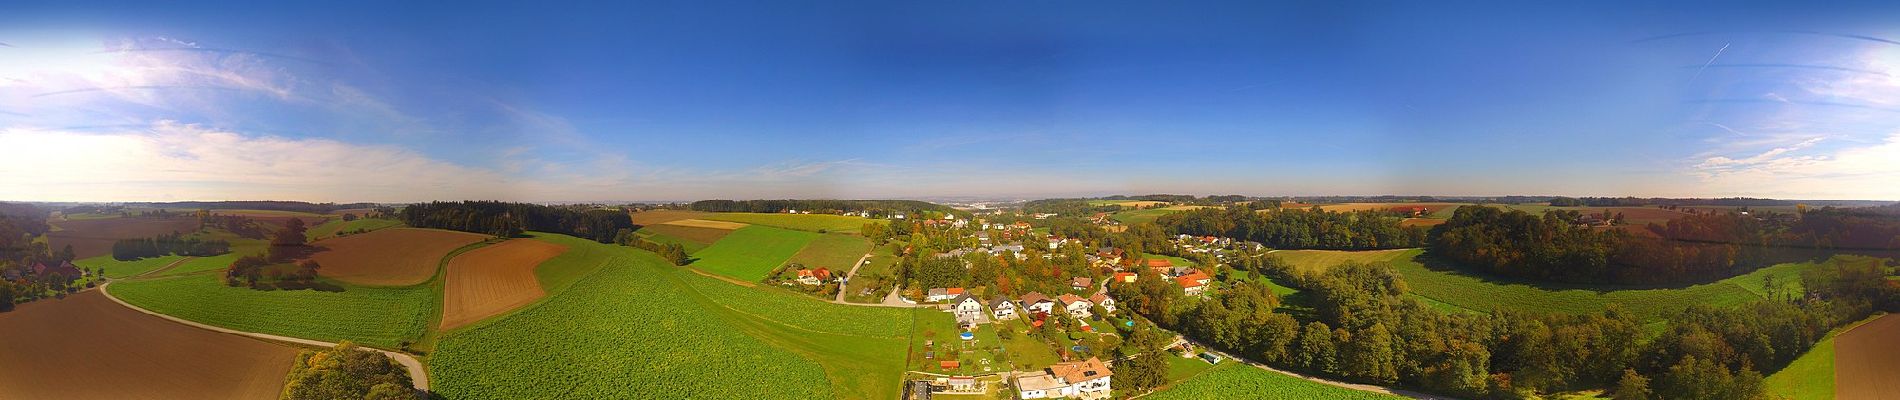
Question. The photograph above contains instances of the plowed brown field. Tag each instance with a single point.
(94, 237)
(492, 280)
(388, 257)
(87, 347)
(1867, 360)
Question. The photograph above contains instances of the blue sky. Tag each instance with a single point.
(687, 100)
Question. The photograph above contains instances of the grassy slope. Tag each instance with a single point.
(202, 264)
(1233, 380)
(638, 328)
(120, 269)
(379, 317)
(803, 222)
(751, 252)
(835, 251)
(329, 229)
(1480, 293)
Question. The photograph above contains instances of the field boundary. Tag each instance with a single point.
(417, 373)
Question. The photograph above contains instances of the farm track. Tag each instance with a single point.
(167, 267)
(417, 373)
(849, 275)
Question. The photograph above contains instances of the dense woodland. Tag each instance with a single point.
(345, 372)
(510, 219)
(164, 245)
(1363, 328)
(877, 208)
(1298, 229)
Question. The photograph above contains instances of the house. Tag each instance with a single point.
(1076, 306)
(1193, 284)
(941, 294)
(1038, 303)
(1082, 283)
(966, 308)
(1159, 263)
(1124, 277)
(1002, 308)
(809, 277)
(823, 274)
(949, 364)
(1102, 299)
(1020, 225)
(1085, 379)
(962, 383)
(64, 269)
(1113, 255)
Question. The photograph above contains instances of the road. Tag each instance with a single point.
(417, 374)
(852, 274)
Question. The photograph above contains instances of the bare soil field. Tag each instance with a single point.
(94, 237)
(702, 235)
(1867, 360)
(87, 347)
(492, 280)
(388, 257)
(701, 223)
(663, 216)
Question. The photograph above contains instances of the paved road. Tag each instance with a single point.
(417, 374)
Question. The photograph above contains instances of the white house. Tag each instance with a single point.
(1084, 379)
(966, 307)
(1102, 299)
(1038, 303)
(1041, 385)
(942, 294)
(1002, 308)
(1076, 306)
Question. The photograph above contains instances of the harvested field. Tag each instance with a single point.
(1867, 360)
(389, 257)
(700, 223)
(93, 237)
(87, 347)
(492, 280)
(663, 216)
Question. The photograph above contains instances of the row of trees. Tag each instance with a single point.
(1299, 229)
(1364, 328)
(510, 219)
(171, 244)
(672, 252)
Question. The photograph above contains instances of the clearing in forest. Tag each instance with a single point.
(388, 257)
(492, 280)
(85, 346)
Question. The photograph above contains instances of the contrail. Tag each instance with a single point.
(1705, 66)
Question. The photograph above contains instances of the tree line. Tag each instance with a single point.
(1299, 229)
(672, 252)
(510, 219)
(169, 244)
(875, 207)
(1363, 327)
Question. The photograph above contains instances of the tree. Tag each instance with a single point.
(345, 372)
(1369, 355)
(1633, 386)
(1314, 349)
(1147, 369)
(6, 296)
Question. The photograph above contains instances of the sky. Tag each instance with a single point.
(625, 101)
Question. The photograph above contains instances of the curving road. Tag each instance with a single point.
(417, 373)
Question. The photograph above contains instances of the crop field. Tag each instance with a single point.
(706, 223)
(1148, 215)
(823, 223)
(389, 257)
(85, 346)
(835, 251)
(1483, 292)
(94, 237)
(1233, 380)
(201, 265)
(1631, 215)
(1431, 208)
(639, 328)
(1810, 377)
(120, 269)
(751, 252)
(1867, 360)
(655, 217)
(338, 226)
(372, 316)
(492, 280)
(702, 236)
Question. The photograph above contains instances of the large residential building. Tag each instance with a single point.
(1079, 379)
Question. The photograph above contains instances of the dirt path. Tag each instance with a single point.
(417, 373)
(852, 274)
(167, 267)
(1867, 360)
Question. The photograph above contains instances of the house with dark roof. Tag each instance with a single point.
(1002, 308)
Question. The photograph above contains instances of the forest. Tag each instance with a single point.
(1298, 229)
(170, 244)
(510, 219)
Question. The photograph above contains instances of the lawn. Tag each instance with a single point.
(751, 252)
(1812, 375)
(1312, 260)
(120, 269)
(836, 251)
(1453, 289)
(380, 317)
(639, 328)
(1233, 380)
(335, 226)
(821, 223)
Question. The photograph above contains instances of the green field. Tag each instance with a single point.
(803, 222)
(202, 264)
(1810, 377)
(1484, 292)
(839, 252)
(1317, 260)
(751, 252)
(120, 269)
(638, 328)
(335, 226)
(1147, 215)
(380, 317)
(1233, 380)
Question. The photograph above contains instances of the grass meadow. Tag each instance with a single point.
(750, 253)
(824, 223)
(336, 226)
(373, 316)
(835, 251)
(1234, 380)
(120, 269)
